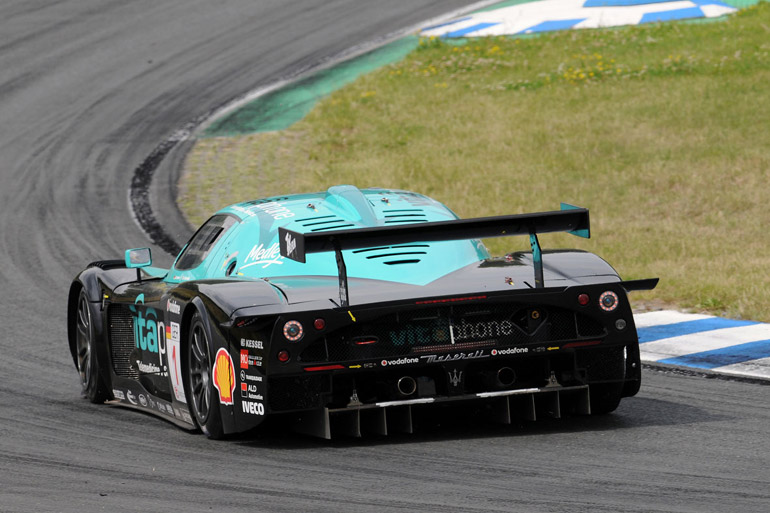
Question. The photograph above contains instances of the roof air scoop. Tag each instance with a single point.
(351, 204)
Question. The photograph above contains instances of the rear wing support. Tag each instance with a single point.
(571, 219)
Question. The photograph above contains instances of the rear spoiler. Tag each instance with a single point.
(571, 219)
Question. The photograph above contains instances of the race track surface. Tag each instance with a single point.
(87, 90)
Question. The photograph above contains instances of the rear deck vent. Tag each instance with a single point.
(405, 216)
(385, 254)
(332, 227)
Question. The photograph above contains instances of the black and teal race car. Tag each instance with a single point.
(348, 310)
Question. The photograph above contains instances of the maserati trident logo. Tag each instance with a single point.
(291, 244)
(455, 378)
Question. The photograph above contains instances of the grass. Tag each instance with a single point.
(661, 130)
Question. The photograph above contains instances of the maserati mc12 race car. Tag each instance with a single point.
(349, 310)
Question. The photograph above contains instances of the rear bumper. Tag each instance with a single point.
(397, 416)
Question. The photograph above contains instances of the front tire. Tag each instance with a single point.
(85, 353)
(200, 380)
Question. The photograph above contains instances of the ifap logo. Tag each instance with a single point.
(145, 326)
(224, 376)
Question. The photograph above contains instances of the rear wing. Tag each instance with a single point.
(571, 219)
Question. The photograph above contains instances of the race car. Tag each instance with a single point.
(348, 310)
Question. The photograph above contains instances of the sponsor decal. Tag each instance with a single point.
(482, 330)
(182, 414)
(400, 361)
(249, 391)
(118, 394)
(142, 399)
(163, 407)
(249, 377)
(275, 210)
(147, 368)
(510, 350)
(440, 331)
(145, 326)
(272, 208)
(150, 337)
(259, 255)
(173, 307)
(224, 376)
(244, 359)
(253, 408)
(474, 355)
(174, 359)
(131, 397)
(249, 360)
(251, 344)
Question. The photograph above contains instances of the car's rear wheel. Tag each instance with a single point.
(200, 380)
(605, 397)
(85, 353)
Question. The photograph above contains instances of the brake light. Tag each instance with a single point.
(324, 367)
(293, 331)
(582, 344)
(608, 301)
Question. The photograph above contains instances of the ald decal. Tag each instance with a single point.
(145, 326)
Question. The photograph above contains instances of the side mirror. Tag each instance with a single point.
(138, 257)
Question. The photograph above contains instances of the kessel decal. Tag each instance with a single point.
(224, 377)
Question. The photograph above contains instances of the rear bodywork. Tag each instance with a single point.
(380, 321)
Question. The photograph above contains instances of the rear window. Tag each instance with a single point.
(203, 241)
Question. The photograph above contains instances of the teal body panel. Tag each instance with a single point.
(250, 249)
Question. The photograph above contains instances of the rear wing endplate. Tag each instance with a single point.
(571, 219)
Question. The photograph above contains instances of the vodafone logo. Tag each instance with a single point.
(512, 350)
(400, 361)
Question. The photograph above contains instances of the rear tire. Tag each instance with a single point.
(610, 365)
(605, 397)
(200, 384)
(87, 363)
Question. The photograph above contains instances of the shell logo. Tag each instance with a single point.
(224, 377)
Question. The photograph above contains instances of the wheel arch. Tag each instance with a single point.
(216, 339)
(72, 306)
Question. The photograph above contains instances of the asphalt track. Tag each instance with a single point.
(87, 90)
